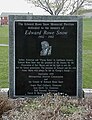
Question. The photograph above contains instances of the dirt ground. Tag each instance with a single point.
(47, 107)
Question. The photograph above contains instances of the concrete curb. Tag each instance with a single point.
(87, 92)
(4, 90)
(4, 45)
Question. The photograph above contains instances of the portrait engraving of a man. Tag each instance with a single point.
(46, 49)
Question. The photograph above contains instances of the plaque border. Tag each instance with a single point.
(27, 18)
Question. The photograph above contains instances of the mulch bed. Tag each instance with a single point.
(47, 107)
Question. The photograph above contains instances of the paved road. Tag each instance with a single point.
(4, 45)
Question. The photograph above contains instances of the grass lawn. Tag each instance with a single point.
(4, 34)
(3, 66)
(87, 55)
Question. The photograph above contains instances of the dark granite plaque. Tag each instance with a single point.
(45, 57)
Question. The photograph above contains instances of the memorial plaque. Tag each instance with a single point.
(45, 57)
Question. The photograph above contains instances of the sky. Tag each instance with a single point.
(20, 6)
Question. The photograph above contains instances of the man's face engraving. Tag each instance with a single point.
(46, 49)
